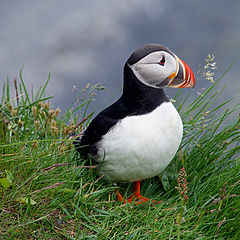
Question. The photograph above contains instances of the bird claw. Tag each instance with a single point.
(137, 198)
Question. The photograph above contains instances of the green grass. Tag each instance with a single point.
(46, 195)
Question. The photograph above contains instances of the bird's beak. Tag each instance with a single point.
(183, 77)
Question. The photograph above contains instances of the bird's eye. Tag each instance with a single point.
(162, 61)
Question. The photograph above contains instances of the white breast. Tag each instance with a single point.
(141, 147)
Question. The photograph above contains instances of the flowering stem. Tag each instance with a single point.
(182, 190)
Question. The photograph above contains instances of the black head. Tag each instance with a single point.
(156, 66)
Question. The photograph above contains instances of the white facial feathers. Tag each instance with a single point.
(154, 68)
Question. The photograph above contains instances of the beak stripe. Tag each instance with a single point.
(184, 75)
(187, 73)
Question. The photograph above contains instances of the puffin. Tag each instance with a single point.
(136, 137)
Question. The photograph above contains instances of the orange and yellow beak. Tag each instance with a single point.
(183, 77)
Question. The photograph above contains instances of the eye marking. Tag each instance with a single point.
(162, 61)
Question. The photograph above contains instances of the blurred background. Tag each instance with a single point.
(82, 42)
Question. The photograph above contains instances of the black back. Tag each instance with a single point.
(137, 99)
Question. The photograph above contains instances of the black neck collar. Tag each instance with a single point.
(139, 96)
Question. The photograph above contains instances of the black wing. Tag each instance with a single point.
(99, 126)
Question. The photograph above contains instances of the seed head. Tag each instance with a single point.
(46, 106)
(182, 183)
(14, 112)
(34, 111)
(37, 124)
(57, 111)
(20, 123)
(10, 107)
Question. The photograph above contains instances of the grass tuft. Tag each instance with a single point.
(46, 195)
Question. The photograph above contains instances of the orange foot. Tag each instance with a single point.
(139, 199)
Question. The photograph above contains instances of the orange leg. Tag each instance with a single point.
(139, 199)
